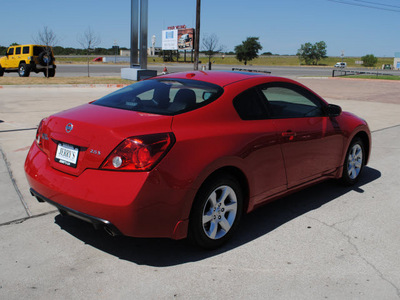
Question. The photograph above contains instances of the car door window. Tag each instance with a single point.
(10, 51)
(18, 50)
(285, 101)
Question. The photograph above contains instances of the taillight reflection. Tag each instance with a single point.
(139, 153)
(39, 133)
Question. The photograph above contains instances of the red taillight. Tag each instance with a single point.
(140, 153)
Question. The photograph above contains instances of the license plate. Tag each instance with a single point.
(67, 155)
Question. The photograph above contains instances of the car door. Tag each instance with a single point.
(311, 142)
(9, 58)
(262, 154)
(17, 57)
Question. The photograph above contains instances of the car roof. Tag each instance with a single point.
(221, 78)
(34, 45)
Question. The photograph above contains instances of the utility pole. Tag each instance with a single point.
(197, 38)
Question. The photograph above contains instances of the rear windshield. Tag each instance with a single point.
(163, 96)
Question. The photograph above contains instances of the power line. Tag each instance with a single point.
(379, 4)
(369, 6)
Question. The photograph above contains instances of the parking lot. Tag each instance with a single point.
(325, 242)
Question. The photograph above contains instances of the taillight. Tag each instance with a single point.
(140, 153)
(39, 134)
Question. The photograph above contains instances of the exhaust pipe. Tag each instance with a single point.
(109, 231)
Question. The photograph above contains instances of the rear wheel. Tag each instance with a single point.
(216, 211)
(354, 162)
(24, 70)
(52, 72)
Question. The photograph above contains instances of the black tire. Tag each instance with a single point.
(354, 162)
(209, 220)
(52, 72)
(24, 70)
(45, 58)
(1, 71)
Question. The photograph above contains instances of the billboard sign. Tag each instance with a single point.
(178, 38)
(170, 39)
(185, 38)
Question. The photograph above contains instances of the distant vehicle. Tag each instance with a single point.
(340, 65)
(185, 41)
(25, 59)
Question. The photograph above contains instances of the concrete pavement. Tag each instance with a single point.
(326, 242)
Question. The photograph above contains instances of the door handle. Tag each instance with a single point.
(288, 133)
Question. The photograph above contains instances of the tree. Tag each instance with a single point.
(369, 60)
(89, 40)
(49, 39)
(312, 53)
(248, 50)
(211, 47)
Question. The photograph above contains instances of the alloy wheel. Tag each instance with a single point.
(354, 161)
(219, 212)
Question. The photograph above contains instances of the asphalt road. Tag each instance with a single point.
(74, 70)
(115, 70)
(325, 242)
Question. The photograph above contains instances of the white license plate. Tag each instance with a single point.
(67, 154)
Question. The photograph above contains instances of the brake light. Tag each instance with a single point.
(140, 153)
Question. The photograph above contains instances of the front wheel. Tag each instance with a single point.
(1, 71)
(354, 162)
(24, 70)
(216, 211)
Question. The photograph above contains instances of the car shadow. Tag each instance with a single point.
(165, 252)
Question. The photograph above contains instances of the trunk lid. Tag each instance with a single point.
(87, 134)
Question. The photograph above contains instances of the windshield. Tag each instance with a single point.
(162, 96)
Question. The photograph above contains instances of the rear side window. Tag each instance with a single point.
(18, 50)
(25, 50)
(249, 105)
(163, 96)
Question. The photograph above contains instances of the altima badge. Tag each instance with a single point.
(69, 127)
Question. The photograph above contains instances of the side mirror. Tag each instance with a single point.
(333, 110)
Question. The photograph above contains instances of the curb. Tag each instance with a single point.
(365, 79)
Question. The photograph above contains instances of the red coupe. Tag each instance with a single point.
(187, 154)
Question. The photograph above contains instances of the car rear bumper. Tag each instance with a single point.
(41, 67)
(138, 204)
(96, 222)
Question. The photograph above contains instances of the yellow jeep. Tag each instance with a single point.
(25, 59)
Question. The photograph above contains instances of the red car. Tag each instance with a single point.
(187, 154)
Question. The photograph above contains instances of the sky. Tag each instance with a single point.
(356, 27)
